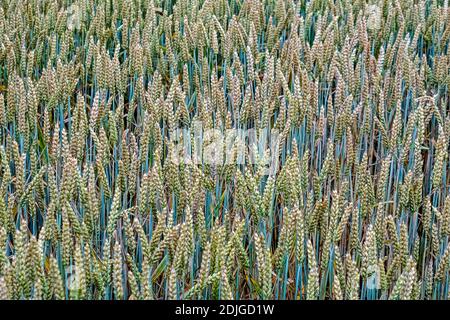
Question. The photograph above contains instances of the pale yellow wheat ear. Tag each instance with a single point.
(117, 266)
(313, 279)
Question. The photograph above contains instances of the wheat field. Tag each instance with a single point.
(224, 149)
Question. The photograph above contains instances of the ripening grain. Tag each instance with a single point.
(224, 149)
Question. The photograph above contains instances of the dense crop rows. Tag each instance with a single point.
(224, 149)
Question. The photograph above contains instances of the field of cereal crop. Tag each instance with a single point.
(224, 149)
